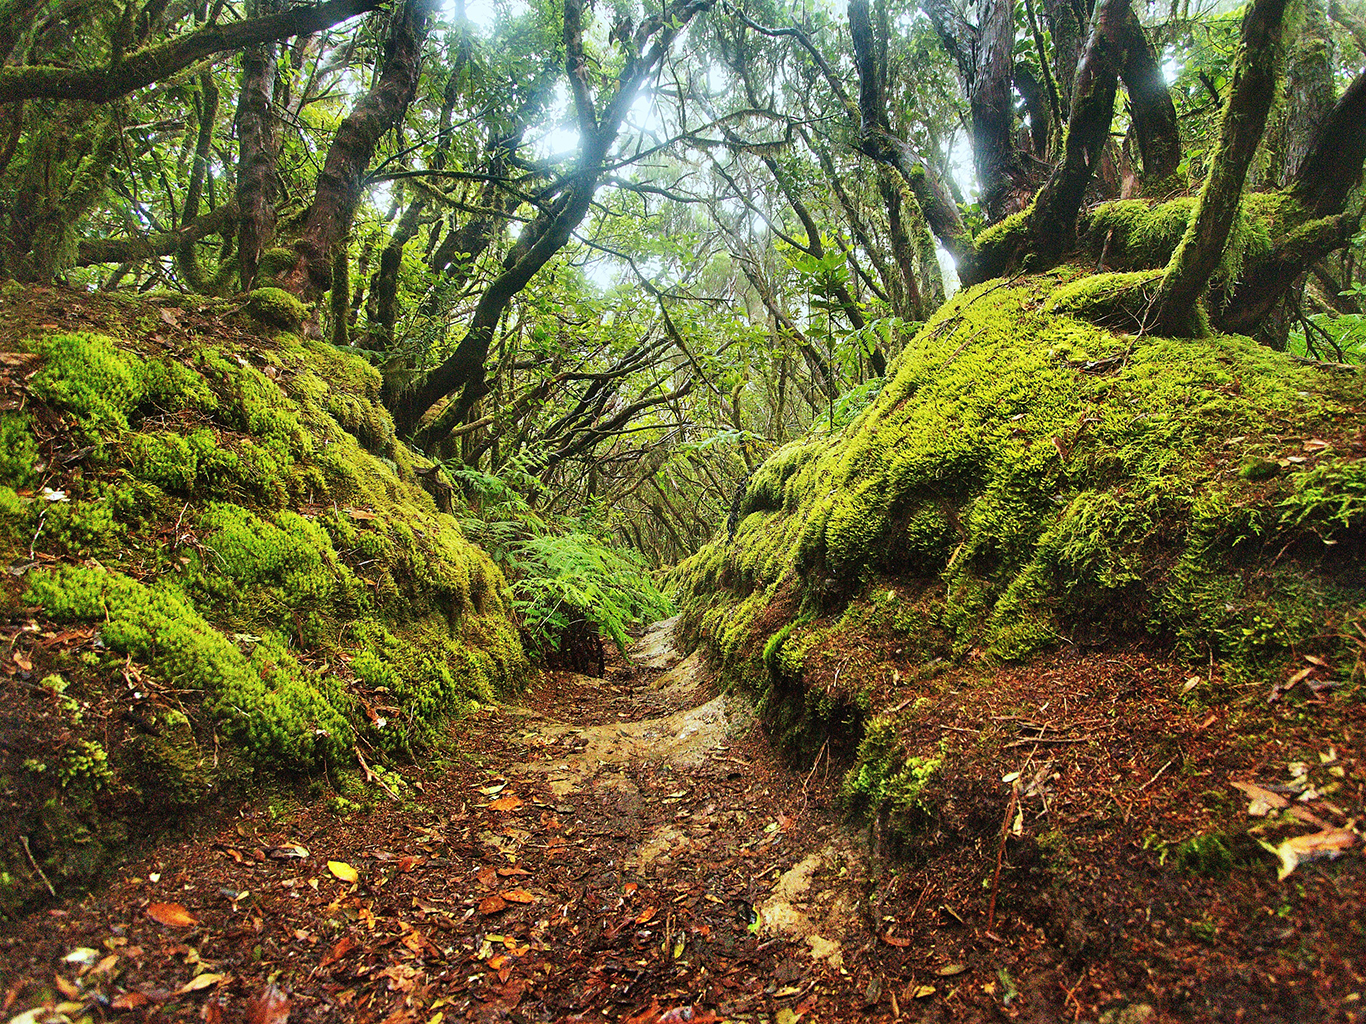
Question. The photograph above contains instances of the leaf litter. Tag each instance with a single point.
(609, 853)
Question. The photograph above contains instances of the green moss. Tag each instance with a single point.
(282, 716)
(1121, 301)
(277, 308)
(18, 452)
(102, 386)
(1023, 501)
(884, 774)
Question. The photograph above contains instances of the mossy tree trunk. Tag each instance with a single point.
(151, 64)
(341, 180)
(1053, 221)
(1331, 167)
(258, 143)
(1187, 277)
(877, 141)
(984, 56)
(462, 376)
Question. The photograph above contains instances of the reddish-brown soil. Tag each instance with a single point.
(487, 896)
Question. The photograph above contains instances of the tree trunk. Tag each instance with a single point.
(341, 180)
(1053, 223)
(552, 228)
(1308, 87)
(1254, 86)
(186, 260)
(1150, 102)
(877, 141)
(158, 63)
(1331, 167)
(258, 146)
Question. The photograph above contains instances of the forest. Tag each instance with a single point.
(854, 509)
(614, 258)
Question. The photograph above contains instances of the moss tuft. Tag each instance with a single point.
(276, 308)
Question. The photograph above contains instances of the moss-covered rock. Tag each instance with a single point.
(1026, 480)
(277, 308)
(234, 545)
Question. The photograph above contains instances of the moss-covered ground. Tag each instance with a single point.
(1028, 485)
(219, 568)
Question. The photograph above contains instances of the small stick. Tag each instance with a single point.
(24, 840)
(372, 777)
(1001, 852)
(1159, 772)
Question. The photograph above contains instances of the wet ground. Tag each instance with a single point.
(625, 848)
(631, 849)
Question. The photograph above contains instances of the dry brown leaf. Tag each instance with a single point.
(506, 872)
(130, 1001)
(344, 945)
(200, 982)
(519, 896)
(171, 914)
(506, 803)
(895, 940)
(646, 914)
(492, 904)
(270, 1007)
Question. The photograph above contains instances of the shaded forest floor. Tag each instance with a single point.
(630, 849)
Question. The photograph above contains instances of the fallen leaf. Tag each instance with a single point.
(506, 803)
(1330, 842)
(66, 988)
(406, 864)
(1263, 801)
(646, 914)
(492, 904)
(1297, 677)
(344, 945)
(130, 1001)
(270, 1007)
(951, 970)
(171, 914)
(922, 991)
(519, 896)
(487, 876)
(1315, 445)
(201, 982)
(506, 872)
(895, 940)
(290, 851)
(343, 870)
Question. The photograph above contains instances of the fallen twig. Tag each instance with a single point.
(1001, 852)
(31, 860)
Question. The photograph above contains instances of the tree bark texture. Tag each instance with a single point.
(1053, 222)
(341, 181)
(157, 63)
(877, 141)
(1308, 86)
(1150, 102)
(1331, 167)
(1254, 86)
(258, 143)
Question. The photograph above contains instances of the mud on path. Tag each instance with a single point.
(616, 849)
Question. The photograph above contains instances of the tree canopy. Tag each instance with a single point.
(610, 256)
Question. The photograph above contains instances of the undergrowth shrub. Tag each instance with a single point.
(573, 588)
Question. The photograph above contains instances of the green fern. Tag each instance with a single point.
(576, 580)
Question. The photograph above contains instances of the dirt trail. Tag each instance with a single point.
(624, 849)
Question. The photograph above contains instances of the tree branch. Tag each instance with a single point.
(156, 63)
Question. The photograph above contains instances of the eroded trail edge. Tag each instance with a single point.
(623, 848)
